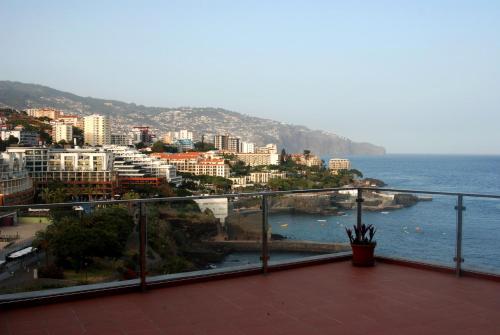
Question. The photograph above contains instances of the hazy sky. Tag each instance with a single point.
(413, 76)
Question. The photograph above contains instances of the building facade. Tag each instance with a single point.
(256, 159)
(337, 164)
(62, 132)
(97, 130)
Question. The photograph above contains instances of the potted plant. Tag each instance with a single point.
(362, 244)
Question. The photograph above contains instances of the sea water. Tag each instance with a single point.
(426, 231)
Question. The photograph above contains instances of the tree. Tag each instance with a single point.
(240, 169)
(283, 157)
(75, 241)
(307, 153)
(171, 149)
(202, 146)
(12, 140)
(158, 146)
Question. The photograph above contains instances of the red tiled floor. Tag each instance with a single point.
(323, 299)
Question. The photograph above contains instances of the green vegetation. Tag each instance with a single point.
(203, 146)
(205, 183)
(75, 241)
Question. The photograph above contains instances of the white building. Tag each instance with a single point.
(267, 149)
(255, 159)
(16, 187)
(247, 147)
(62, 132)
(129, 162)
(97, 130)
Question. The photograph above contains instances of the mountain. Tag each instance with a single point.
(201, 120)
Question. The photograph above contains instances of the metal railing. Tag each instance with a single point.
(143, 218)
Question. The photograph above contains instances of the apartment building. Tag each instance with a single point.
(256, 159)
(337, 164)
(141, 134)
(62, 132)
(247, 147)
(264, 177)
(134, 165)
(97, 130)
(16, 186)
(172, 136)
(86, 173)
(227, 143)
(196, 163)
(267, 149)
(44, 112)
(25, 137)
(73, 120)
(121, 139)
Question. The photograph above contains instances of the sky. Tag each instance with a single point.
(412, 76)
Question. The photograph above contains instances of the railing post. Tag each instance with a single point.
(458, 246)
(142, 244)
(359, 201)
(265, 248)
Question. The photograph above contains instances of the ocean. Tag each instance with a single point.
(426, 231)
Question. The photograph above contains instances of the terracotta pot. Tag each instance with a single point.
(362, 254)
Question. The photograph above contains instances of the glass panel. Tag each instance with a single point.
(412, 227)
(66, 247)
(309, 224)
(203, 234)
(481, 222)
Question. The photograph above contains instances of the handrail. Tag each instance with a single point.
(246, 194)
(142, 283)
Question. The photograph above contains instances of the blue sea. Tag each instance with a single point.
(427, 231)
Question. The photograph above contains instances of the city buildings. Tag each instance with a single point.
(337, 164)
(121, 139)
(141, 134)
(196, 163)
(306, 159)
(247, 147)
(227, 143)
(184, 145)
(51, 113)
(255, 159)
(73, 120)
(16, 186)
(25, 137)
(135, 168)
(97, 130)
(172, 136)
(267, 149)
(62, 132)
(84, 172)
(256, 178)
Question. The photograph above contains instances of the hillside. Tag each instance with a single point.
(200, 120)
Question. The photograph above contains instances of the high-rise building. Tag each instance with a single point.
(247, 147)
(221, 142)
(63, 132)
(227, 143)
(141, 134)
(233, 144)
(97, 130)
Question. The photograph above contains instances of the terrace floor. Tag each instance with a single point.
(333, 298)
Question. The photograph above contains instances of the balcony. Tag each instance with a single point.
(312, 289)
